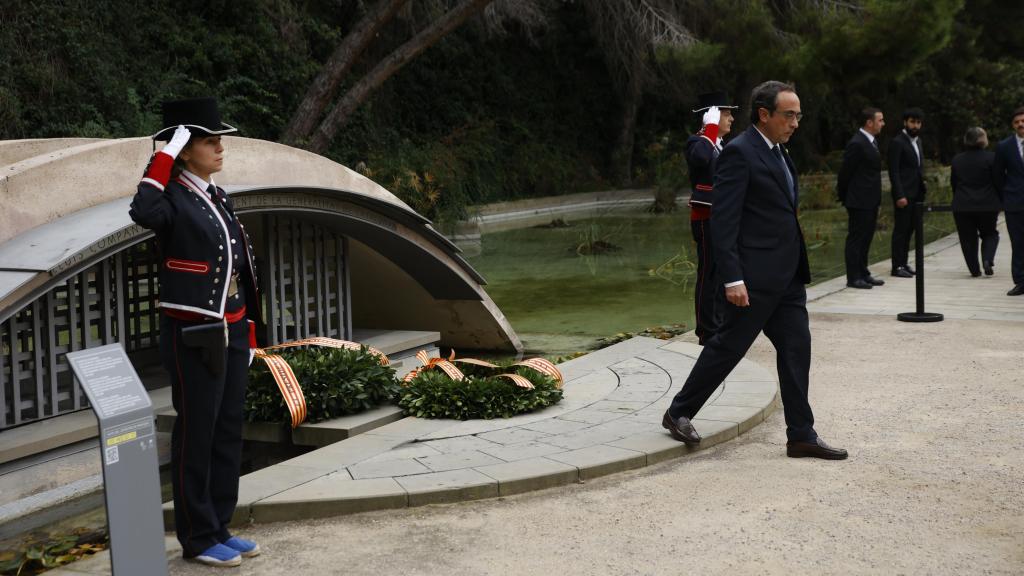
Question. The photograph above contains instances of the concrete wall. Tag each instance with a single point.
(42, 180)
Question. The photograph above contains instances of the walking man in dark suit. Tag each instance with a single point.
(762, 261)
(908, 187)
(860, 190)
(1009, 169)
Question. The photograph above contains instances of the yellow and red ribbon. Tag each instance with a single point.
(541, 365)
(288, 384)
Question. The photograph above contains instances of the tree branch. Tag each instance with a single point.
(339, 115)
(322, 90)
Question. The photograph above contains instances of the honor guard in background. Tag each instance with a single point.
(702, 150)
(210, 307)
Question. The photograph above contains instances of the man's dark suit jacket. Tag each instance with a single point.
(860, 178)
(1009, 169)
(756, 235)
(973, 180)
(905, 170)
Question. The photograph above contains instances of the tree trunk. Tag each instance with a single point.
(342, 111)
(622, 154)
(322, 90)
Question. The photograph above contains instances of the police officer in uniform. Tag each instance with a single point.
(210, 308)
(702, 151)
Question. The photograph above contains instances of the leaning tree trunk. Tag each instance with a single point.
(322, 90)
(622, 154)
(342, 111)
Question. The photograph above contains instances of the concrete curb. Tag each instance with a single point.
(416, 462)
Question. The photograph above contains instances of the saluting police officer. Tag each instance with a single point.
(702, 151)
(210, 307)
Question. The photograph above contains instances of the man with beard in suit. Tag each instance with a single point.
(1009, 172)
(762, 261)
(907, 178)
(860, 190)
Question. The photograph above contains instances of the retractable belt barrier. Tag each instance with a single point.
(920, 315)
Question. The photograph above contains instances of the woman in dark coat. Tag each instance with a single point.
(209, 303)
(975, 201)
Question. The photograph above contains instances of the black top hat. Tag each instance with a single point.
(199, 115)
(709, 99)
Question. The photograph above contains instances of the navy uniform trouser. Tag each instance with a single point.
(783, 318)
(708, 292)
(206, 443)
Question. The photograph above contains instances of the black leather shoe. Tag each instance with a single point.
(910, 269)
(681, 429)
(975, 273)
(902, 273)
(988, 268)
(1016, 290)
(860, 283)
(815, 449)
(874, 281)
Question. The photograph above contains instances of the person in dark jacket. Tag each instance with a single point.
(859, 186)
(975, 201)
(762, 262)
(907, 179)
(1009, 171)
(702, 150)
(210, 306)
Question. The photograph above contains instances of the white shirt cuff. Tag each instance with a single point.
(736, 283)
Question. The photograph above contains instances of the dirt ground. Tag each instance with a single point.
(931, 415)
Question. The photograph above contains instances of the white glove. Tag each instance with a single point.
(178, 141)
(712, 116)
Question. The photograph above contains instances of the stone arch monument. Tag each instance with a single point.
(337, 254)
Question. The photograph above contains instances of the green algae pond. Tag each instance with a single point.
(566, 285)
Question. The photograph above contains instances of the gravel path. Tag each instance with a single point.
(931, 414)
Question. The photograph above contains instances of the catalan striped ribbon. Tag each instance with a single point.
(541, 365)
(288, 384)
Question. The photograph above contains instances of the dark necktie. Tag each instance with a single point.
(875, 144)
(785, 170)
(215, 197)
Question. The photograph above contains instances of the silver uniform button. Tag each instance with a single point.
(211, 302)
(221, 247)
(218, 270)
(219, 258)
(233, 241)
(216, 280)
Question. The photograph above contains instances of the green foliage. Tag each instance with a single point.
(335, 381)
(432, 394)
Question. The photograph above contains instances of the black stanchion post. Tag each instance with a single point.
(920, 315)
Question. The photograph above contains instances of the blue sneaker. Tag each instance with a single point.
(247, 548)
(219, 555)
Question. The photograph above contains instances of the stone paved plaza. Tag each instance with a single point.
(929, 412)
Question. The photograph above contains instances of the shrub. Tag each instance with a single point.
(335, 382)
(432, 394)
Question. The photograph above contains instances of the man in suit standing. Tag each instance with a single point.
(860, 190)
(762, 261)
(1009, 169)
(908, 187)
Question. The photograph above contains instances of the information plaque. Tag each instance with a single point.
(131, 474)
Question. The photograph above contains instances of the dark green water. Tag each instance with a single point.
(560, 301)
